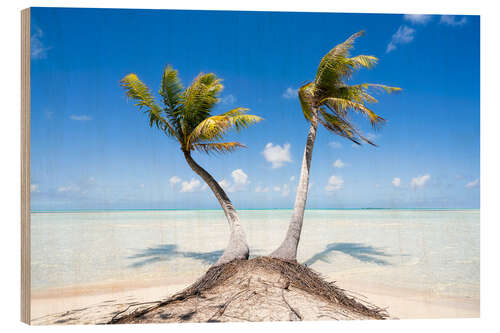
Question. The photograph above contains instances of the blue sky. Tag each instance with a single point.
(91, 148)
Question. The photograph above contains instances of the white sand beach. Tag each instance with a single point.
(93, 306)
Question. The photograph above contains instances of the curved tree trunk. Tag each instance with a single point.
(288, 248)
(237, 247)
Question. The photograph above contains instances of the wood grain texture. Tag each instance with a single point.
(25, 168)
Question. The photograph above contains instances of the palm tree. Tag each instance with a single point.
(328, 100)
(186, 117)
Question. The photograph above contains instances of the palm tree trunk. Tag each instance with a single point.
(237, 247)
(288, 248)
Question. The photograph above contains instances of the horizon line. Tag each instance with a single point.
(242, 209)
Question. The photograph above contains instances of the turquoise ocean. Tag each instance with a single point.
(433, 251)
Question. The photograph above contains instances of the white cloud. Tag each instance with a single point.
(404, 35)
(339, 164)
(472, 184)
(261, 189)
(418, 18)
(190, 186)
(290, 93)
(174, 180)
(277, 155)
(83, 186)
(453, 20)
(396, 182)
(420, 181)
(334, 183)
(34, 188)
(141, 185)
(70, 188)
(239, 177)
(225, 184)
(229, 99)
(292, 178)
(335, 145)
(283, 189)
(38, 49)
(240, 180)
(82, 117)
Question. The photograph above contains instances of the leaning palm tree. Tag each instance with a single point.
(186, 117)
(328, 100)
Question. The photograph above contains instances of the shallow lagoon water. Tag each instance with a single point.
(434, 251)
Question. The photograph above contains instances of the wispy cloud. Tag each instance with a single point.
(69, 188)
(228, 100)
(261, 189)
(48, 114)
(82, 117)
(335, 183)
(418, 18)
(420, 181)
(335, 145)
(174, 180)
(404, 35)
(372, 136)
(396, 182)
(452, 20)
(290, 93)
(339, 164)
(277, 155)
(38, 49)
(473, 184)
(284, 189)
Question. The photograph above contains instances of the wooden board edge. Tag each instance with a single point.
(25, 167)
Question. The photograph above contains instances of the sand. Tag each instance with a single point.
(412, 304)
(99, 303)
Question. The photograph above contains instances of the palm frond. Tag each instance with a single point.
(171, 92)
(306, 99)
(198, 100)
(336, 64)
(341, 127)
(376, 86)
(216, 127)
(141, 93)
(217, 147)
(341, 106)
(364, 61)
(171, 88)
(359, 92)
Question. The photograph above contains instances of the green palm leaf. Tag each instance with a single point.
(217, 147)
(341, 106)
(336, 65)
(140, 92)
(198, 100)
(306, 95)
(216, 127)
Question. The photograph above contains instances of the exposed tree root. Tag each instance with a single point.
(259, 289)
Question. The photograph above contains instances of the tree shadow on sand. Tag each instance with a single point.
(360, 251)
(166, 252)
(170, 251)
